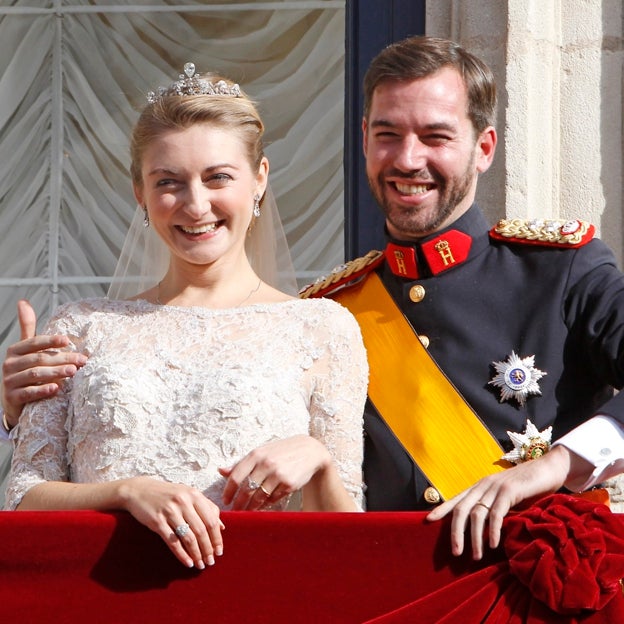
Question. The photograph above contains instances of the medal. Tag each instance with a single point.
(528, 445)
(517, 378)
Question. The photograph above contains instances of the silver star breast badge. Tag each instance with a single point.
(517, 378)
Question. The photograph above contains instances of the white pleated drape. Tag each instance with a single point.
(74, 73)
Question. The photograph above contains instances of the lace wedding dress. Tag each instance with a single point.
(175, 392)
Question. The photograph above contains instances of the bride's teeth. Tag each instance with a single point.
(201, 229)
(411, 189)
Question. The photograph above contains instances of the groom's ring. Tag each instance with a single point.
(181, 530)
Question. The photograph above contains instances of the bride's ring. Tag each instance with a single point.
(251, 484)
(182, 529)
(267, 494)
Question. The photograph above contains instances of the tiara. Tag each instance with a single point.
(189, 84)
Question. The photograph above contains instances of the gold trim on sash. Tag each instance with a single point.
(433, 422)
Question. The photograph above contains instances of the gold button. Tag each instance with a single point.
(424, 340)
(417, 293)
(432, 496)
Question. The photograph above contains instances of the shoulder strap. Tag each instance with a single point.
(343, 275)
(548, 233)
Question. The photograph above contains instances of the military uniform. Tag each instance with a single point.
(476, 300)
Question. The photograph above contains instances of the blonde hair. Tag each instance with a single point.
(179, 112)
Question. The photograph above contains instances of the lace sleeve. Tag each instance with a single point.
(337, 407)
(40, 437)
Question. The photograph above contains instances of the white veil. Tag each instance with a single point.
(144, 258)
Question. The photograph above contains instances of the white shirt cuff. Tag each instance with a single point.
(600, 441)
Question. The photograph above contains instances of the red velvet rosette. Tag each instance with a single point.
(569, 552)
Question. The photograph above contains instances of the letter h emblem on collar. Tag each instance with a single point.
(447, 250)
(441, 253)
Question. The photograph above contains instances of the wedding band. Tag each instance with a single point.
(267, 494)
(182, 529)
(483, 505)
(5, 423)
(251, 484)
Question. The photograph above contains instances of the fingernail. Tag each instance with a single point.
(211, 560)
(200, 565)
(219, 551)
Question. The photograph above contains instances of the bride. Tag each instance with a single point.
(212, 389)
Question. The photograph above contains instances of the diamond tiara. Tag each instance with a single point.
(189, 84)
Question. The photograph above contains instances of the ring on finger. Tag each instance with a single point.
(483, 505)
(251, 484)
(182, 529)
(264, 491)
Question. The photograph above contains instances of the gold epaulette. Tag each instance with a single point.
(343, 275)
(547, 232)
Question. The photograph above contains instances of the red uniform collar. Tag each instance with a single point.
(441, 253)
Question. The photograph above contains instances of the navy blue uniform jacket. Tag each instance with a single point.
(564, 306)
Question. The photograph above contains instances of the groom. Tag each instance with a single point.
(526, 319)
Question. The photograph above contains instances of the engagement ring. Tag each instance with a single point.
(251, 484)
(182, 529)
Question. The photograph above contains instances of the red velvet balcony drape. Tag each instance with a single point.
(386, 568)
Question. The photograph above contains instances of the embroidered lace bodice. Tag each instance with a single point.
(175, 392)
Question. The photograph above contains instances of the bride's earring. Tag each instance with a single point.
(256, 208)
(146, 217)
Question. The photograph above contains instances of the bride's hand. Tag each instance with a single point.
(273, 471)
(186, 520)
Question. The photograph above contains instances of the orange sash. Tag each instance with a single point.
(433, 422)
